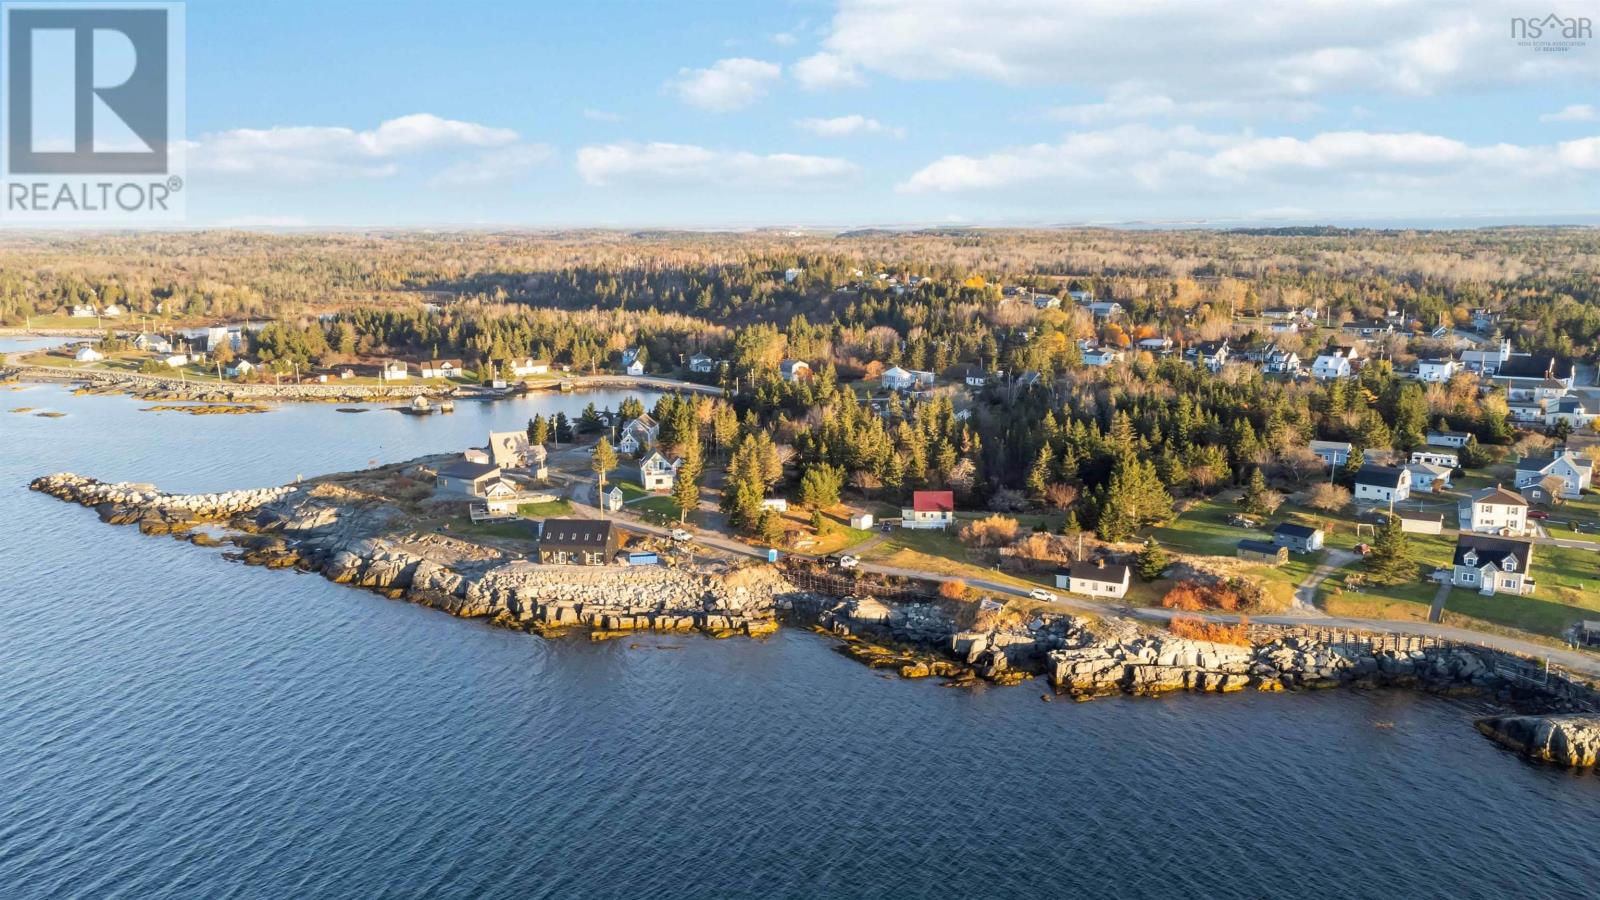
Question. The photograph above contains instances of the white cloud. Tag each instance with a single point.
(687, 164)
(308, 152)
(826, 71)
(849, 126)
(727, 85)
(1137, 157)
(1221, 50)
(783, 39)
(492, 167)
(1577, 112)
(600, 115)
(1137, 100)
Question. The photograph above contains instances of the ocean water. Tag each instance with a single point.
(176, 725)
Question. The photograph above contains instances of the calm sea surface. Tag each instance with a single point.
(175, 725)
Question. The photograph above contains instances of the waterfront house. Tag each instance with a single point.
(1382, 484)
(1299, 538)
(794, 370)
(510, 449)
(152, 343)
(1436, 458)
(1495, 510)
(657, 473)
(1576, 472)
(527, 365)
(465, 478)
(929, 509)
(701, 364)
(84, 311)
(175, 360)
(239, 368)
(113, 310)
(86, 353)
(1262, 551)
(1448, 438)
(638, 434)
(577, 542)
(1332, 453)
(1492, 565)
(394, 370)
(442, 368)
(1097, 579)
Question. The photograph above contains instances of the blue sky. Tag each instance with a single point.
(884, 112)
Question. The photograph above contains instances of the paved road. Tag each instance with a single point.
(1576, 661)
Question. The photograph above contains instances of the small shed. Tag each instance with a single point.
(614, 499)
(862, 521)
(1264, 552)
(1421, 523)
(644, 559)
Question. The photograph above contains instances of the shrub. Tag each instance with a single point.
(1192, 596)
(1194, 629)
(953, 590)
(994, 531)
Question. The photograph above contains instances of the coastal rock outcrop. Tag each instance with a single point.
(1569, 740)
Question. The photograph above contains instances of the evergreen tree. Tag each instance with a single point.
(602, 461)
(686, 484)
(1152, 560)
(1390, 561)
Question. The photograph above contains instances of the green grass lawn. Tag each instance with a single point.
(1567, 590)
(1203, 530)
(556, 508)
(660, 506)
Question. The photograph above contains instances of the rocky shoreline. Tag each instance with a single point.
(352, 538)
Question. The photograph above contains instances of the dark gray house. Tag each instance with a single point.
(1297, 538)
(577, 542)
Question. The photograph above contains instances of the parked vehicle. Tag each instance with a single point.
(1538, 514)
(846, 561)
(680, 535)
(1044, 596)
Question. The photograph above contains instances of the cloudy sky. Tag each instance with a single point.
(887, 112)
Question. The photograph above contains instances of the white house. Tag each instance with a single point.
(1576, 472)
(1156, 344)
(1332, 453)
(84, 311)
(174, 359)
(152, 343)
(701, 363)
(113, 310)
(1492, 565)
(1101, 356)
(522, 368)
(1211, 354)
(1097, 579)
(1436, 458)
(897, 379)
(87, 353)
(1575, 411)
(1383, 484)
(1046, 301)
(442, 368)
(1448, 438)
(1329, 366)
(794, 370)
(929, 509)
(1283, 362)
(239, 367)
(657, 473)
(395, 370)
(638, 434)
(1285, 327)
(633, 361)
(789, 275)
(1104, 309)
(776, 504)
(1428, 477)
(1436, 370)
(1495, 510)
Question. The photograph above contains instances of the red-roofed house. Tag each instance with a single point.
(929, 509)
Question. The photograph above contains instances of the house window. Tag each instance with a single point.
(1469, 577)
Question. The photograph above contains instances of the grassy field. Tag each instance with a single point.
(938, 551)
(1203, 530)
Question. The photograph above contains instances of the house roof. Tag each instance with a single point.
(933, 501)
(1107, 574)
(467, 470)
(575, 534)
(437, 363)
(1546, 460)
(1493, 550)
(1427, 469)
(1293, 530)
(1266, 547)
(1454, 434)
(1498, 494)
(1530, 366)
(1379, 476)
(1330, 445)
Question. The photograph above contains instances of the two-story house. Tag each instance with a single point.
(1492, 565)
(1576, 472)
(1382, 484)
(1495, 510)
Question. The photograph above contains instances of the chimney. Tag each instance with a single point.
(1100, 563)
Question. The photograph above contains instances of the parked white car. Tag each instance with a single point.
(846, 561)
(1043, 596)
(679, 535)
